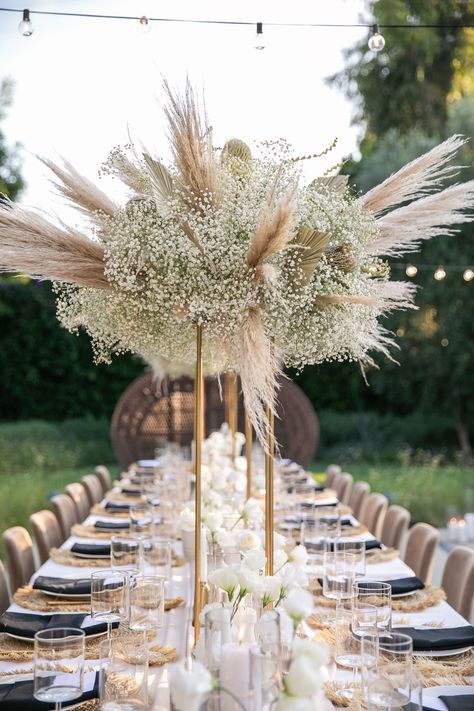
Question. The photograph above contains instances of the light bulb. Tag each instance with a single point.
(376, 41)
(144, 24)
(259, 40)
(411, 270)
(439, 274)
(468, 274)
(25, 27)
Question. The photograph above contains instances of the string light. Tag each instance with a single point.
(259, 40)
(440, 274)
(468, 274)
(376, 40)
(144, 24)
(411, 270)
(25, 27)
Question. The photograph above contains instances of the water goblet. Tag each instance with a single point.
(58, 665)
(123, 675)
(147, 603)
(109, 597)
(141, 519)
(339, 574)
(353, 622)
(355, 547)
(125, 553)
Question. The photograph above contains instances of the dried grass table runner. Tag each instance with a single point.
(420, 600)
(381, 555)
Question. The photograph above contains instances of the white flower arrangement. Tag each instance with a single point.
(304, 681)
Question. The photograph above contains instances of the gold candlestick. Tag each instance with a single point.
(248, 453)
(198, 431)
(269, 461)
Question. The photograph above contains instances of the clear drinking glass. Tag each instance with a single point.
(355, 547)
(265, 680)
(58, 665)
(379, 594)
(147, 603)
(390, 686)
(353, 622)
(217, 632)
(123, 676)
(157, 556)
(141, 519)
(125, 553)
(339, 574)
(109, 597)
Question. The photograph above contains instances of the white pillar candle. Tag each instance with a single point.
(235, 674)
(203, 554)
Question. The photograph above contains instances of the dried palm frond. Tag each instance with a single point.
(338, 300)
(342, 257)
(402, 230)
(335, 183)
(160, 179)
(258, 371)
(191, 235)
(191, 145)
(31, 245)
(273, 231)
(82, 192)
(128, 172)
(310, 246)
(416, 179)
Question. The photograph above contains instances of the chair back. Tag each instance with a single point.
(78, 494)
(344, 487)
(458, 580)
(65, 511)
(19, 551)
(395, 526)
(4, 594)
(421, 548)
(104, 477)
(93, 487)
(373, 513)
(358, 497)
(331, 472)
(46, 533)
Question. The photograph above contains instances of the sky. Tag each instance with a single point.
(83, 84)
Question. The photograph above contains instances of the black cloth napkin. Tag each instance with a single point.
(63, 586)
(117, 506)
(439, 639)
(99, 551)
(311, 504)
(369, 545)
(112, 525)
(131, 492)
(26, 625)
(459, 702)
(19, 697)
(406, 585)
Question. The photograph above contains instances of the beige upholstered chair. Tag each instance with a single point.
(78, 494)
(105, 478)
(395, 526)
(421, 548)
(358, 497)
(65, 511)
(46, 532)
(373, 513)
(19, 552)
(332, 471)
(4, 595)
(344, 487)
(93, 488)
(458, 580)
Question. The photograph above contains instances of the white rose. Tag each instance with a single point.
(249, 580)
(187, 518)
(292, 576)
(248, 541)
(225, 579)
(255, 559)
(188, 689)
(299, 604)
(213, 521)
(226, 539)
(298, 556)
(317, 651)
(303, 679)
(294, 703)
(271, 589)
(252, 511)
(219, 480)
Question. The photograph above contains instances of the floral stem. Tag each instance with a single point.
(232, 696)
(235, 524)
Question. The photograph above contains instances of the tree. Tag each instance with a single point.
(11, 182)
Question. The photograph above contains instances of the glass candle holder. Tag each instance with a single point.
(378, 594)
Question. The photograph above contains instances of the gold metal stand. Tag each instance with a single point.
(198, 431)
(248, 453)
(269, 503)
(232, 404)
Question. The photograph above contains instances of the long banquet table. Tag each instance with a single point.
(177, 630)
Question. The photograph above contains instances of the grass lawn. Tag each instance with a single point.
(431, 494)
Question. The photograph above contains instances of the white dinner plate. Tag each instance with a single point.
(91, 556)
(145, 463)
(442, 653)
(436, 691)
(406, 594)
(67, 596)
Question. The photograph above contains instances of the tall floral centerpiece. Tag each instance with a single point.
(231, 246)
